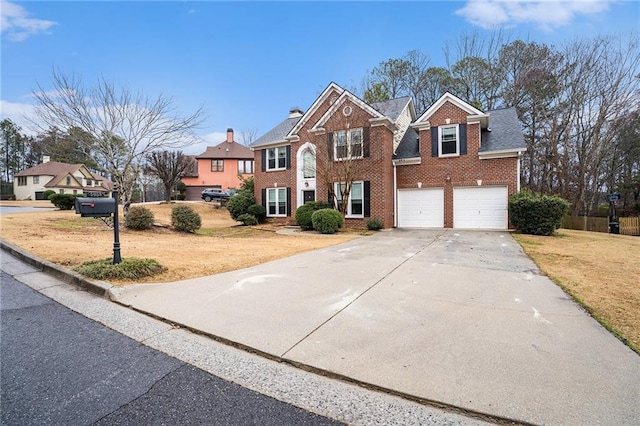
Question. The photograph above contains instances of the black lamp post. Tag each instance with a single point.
(116, 231)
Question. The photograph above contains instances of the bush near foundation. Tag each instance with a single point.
(258, 212)
(327, 221)
(536, 214)
(304, 213)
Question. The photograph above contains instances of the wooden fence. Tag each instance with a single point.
(628, 225)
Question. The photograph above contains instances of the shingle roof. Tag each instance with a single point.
(226, 150)
(59, 170)
(505, 131)
(409, 146)
(277, 133)
(392, 107)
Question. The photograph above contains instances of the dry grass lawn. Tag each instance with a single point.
(601, 271)
(65, 238)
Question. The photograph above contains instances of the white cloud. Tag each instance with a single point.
(209, 139)
(547, 14)
(16, 24)
(21, 114)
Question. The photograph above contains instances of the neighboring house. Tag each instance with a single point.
(219, 167)
(63, 178)
(454, 166)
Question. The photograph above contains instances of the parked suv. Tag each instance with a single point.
(214, 194)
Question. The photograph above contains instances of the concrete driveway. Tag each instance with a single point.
(460, 318)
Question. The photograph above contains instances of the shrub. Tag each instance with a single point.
(48, 193)
(304, 213)
(181, 187)
(374, 224)
(248, 219)
(258, 211)
(327, 221)
(139, 217)
(239, 203)
(185, 219)
(130, 268)
(181, 197)
(536, 214)
(63, 201)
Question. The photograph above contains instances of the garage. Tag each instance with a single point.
(421, 208)
(480, 207)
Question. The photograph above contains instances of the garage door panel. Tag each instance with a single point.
(480, 208)
(421, 208)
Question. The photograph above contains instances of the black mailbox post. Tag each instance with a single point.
(103, 207)
(95, 207)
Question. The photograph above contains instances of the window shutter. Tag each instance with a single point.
(288, 201)
(264, 197)
(288, 154)
(330, 145)
(365, 142)
(367, 198)
(434, 141)
(463, 139)
(264, 160)
(330, 199)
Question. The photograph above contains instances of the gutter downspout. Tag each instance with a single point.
(395, 196)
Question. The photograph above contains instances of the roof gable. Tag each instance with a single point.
(448, 97)
(393, 108)
(226, 150)
(331, 89)
(340, 101)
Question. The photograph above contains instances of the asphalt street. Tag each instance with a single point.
(59, 367)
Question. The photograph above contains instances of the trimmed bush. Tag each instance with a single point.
(374, 224)
(185, 219)
(131, 268)
(139, 217)
(181, 197)
(258, 211)
(304, 213)
(63, 201)
(327, 221)
(48, 193)
(239, 204)
(536, 214)
(248, 219)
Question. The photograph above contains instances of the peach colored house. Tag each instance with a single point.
(220, 167)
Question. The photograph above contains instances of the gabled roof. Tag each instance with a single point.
(473, 112)
(59, 171)
(392, 108)
(226, 150)
(409, 146)
(340, 101)
(504, 132)
(276, 134)
(312, 109)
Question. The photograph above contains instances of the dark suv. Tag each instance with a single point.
(214, 194)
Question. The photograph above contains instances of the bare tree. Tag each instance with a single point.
(168, 166)
(125, 125)
(247, 136)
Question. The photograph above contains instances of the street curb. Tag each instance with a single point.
(101, 288)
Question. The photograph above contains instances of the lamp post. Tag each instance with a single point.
(116, 231)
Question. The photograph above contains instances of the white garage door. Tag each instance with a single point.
(421, 208)
(480, 208)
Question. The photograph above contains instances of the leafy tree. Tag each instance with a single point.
(125, 126)
(168, 166)
(12, 150)
(377, 92)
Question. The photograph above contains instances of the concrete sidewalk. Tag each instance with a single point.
(456, 318)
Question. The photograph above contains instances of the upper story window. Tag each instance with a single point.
(277, 158)
(448, 140)
(245, 166)
(36, 180)
(348, 144)
(22, 180)
(68, 180)
(217, 165)
(308, 164)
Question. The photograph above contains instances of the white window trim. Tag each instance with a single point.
(276, 149)
(440, 129)
(277, 200)
(348, 144)
(348, 214)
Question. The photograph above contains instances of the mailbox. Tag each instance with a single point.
(95, 207)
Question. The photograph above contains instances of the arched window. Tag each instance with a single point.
(308, 164)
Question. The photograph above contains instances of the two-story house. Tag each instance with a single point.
(219, 166)
(454, 166)
(63, 178)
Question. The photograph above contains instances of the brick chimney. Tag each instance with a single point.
(229, 135)
(295, 112)
(45, 159)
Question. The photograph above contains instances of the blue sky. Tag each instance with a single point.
(248, 63)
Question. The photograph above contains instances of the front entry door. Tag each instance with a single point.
(308, 196)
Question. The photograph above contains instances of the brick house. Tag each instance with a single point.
(219, 167)
(454, 166)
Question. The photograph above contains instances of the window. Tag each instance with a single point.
(355, 207)
(348, 144)
(245, 166)
(276, 201)
(449, 144)
(68, 180)
(277, 158)
(308, 164)
(22, 180)
(217, 165)
(89, 182)
(36, 180)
